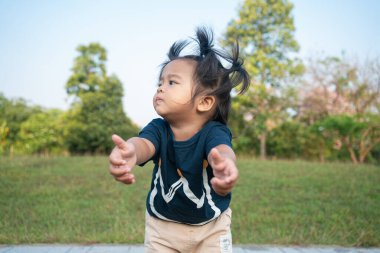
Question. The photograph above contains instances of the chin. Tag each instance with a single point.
(159, 113)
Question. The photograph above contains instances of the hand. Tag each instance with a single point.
(122, 159)
(225, 172)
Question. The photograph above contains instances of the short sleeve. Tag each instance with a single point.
(153, 132)
(217, 135)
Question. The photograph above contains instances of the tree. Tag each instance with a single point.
(358, 134)
(4, 130)
(287, 140)
(340, 100)
(13, 112)
(333, 86)
(97, 110)
(42, 133)
(265, 31)
(263, 110)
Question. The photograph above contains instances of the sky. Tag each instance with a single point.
(38, 40)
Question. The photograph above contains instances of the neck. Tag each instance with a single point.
(185, 130)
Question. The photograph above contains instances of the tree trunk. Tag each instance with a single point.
(321, 153)
(263, 146)
(352, 155)
(351, 150)
(364, 151)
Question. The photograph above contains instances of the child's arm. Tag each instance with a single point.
(222, 160)
(126, 155)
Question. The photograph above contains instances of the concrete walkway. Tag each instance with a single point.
(121, 248)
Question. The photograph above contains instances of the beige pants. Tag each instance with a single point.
(167, 237)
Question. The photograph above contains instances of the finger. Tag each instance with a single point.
(119, 142)
(123, 148)
(126, 179)
(219, 187)
(116, 161)
(231, 174)
(216, 157)
(118, 171)
(220, 184)
(223, 183)
(232, 177)
(230, 180)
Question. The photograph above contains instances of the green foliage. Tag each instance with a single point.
(4, 130)
(359, 134)
(333, 138)
(341, 125)
(42, 133)
(287, 140)
(15, 112)
(374, 155)
(265, 32)
(97, 111)
(89, 70)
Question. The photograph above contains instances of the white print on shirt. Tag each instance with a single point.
(182, 181)
(173, 189)
(225, 243)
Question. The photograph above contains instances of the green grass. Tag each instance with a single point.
(307, 203)
(75, 200)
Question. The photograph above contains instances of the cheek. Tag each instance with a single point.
(181, 97)
(185, 93)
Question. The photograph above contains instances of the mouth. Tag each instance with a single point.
(158, 99)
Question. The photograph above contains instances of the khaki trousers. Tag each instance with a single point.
(170, 237)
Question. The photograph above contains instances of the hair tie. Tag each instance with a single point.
(237, 64)
(206, 50)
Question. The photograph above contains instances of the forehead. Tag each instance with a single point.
(181, 67)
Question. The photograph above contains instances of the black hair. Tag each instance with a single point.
(210, 75)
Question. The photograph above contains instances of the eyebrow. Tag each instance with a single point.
(172, 75)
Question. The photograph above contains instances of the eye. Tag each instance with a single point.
(159, 84)
(172, 82)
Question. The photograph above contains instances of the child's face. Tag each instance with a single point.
(173, 99)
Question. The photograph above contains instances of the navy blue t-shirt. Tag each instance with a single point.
(180, 189)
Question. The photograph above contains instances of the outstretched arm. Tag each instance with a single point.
(222, 160)
(126, 154)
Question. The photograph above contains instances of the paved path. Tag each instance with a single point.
(121, 248)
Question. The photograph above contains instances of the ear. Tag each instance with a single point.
(206, 103)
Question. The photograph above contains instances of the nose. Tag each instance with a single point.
(160, 89)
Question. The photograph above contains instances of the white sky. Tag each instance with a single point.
(38, 40)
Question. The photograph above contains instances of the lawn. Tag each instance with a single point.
(75, 200)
